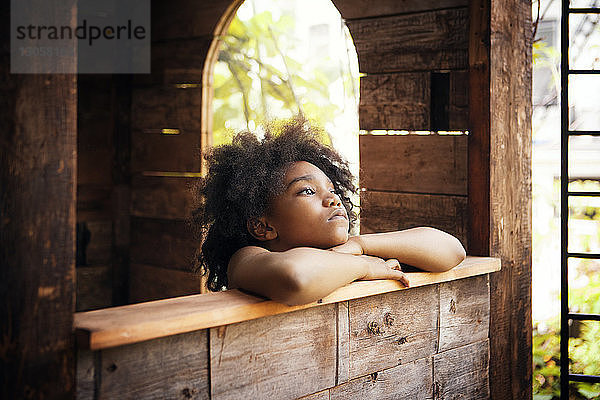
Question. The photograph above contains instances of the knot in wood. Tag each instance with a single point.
(452, 306)
(388, 319)
(374, 328)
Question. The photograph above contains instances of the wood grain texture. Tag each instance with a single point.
(392, 329)
(479, 129)
(385, 212)
(282, 356)
(353, 9)
(176, 61)
(153, 151)
(458, 111)
(158, 107)
(395, 101)
(94, 202)
(185, 19)
(94, 287)
(322, 395)
(432, 164)
(162, 197)
(409, 381)
(343, 342)
(462, 373)
(163, 243)
(138, 322)
(38, 114)
(510, 199)
(171, 367)
(464, 312)
(416, 42)
(147, 282)
(85, 381)
(99, 248)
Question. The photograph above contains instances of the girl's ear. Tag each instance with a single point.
(260, 229)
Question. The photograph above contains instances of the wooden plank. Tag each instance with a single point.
(416, 42)
(414, 163)
(121, 194)
(176, 61)
(85, 375)
(94, 287)
(165, 243)
(464, 312)
(281, 356)
(322, 395)
(392, 329)
(99, 247)
(94, 165)
(353, 9)
(153, 151)
(138, 322)
(184, 19)
(148, 283)
(343, 342)
(158, 107)
(395, 101)
(510, 113)
(93, 202)
(462, 373)
(385, 212)
(38, 116)
(410, 381)
(162, 197)
(171, 367)
(459, 101)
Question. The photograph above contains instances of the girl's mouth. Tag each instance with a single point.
(337, 214)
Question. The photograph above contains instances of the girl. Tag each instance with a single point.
(275, 215)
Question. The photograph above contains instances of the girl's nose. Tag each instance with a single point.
(332, 201)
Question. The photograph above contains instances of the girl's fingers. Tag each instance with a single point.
(404, 279)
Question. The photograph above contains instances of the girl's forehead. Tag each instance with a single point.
(303, 170)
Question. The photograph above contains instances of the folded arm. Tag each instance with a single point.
(426, 248)
(304, 274)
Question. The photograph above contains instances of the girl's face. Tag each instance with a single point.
(308, 212)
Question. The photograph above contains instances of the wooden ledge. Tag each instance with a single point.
(118, 326)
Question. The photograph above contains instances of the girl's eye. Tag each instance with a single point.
(308, 191)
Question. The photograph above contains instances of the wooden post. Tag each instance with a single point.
(500, 182)
(37, 229)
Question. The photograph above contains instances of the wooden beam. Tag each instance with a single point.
(138, 322)
(510, 198)
(428, 164)
(354, 9)
(37, 227)
(395, 101)
(430, 40)
(388, 211)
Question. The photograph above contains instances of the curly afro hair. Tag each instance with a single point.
(242, 179)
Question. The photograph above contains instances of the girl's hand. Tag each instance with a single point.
(352, 246)
(378, 268)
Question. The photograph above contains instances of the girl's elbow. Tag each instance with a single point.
(457, 256)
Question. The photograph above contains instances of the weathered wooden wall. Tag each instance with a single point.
(415, 59)
(37, 226)
(510, 233)
(428, 342)
(103, 190)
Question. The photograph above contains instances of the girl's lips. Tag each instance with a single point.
(338, 214)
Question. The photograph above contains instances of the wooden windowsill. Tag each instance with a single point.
(129, 324)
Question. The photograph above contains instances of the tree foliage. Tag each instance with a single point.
(260, 76)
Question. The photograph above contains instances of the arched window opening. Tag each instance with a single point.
(279, 59)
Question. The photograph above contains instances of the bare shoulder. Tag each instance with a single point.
(243, 258)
